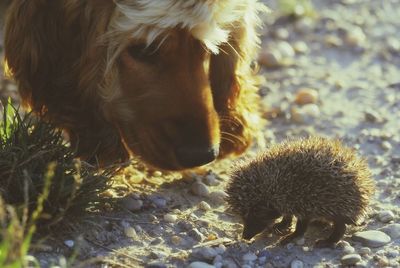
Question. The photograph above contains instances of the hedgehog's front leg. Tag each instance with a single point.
(339, 228)
(301, 227)
(282, 227)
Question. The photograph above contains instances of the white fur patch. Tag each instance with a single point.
(209, 21)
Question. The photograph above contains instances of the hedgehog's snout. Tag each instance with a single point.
(252, 228)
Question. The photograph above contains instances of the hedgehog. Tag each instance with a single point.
(310, 179)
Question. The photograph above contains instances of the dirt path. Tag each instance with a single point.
(350, 55)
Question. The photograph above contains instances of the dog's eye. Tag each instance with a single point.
(144, 53)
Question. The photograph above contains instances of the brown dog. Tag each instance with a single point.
(169, 81)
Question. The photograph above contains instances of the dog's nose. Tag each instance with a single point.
(189, 157)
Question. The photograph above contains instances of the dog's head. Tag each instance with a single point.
(128, 72)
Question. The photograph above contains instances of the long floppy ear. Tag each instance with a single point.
(234, 86)
(52, 50)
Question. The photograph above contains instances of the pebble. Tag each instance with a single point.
(282, 33)
(371, 238)
(355, 37)
(171, 218)
(350, 259)
(176, 240)
(69, 243)
(156, 241)
(296, 264)
(196, 235)
(306, 96)
(342, 244)
(348, 250)
(364, 251)
(386, 145)
(286, 49)
(270, 58)
(218, 197)
(159, 202)
(130, 232)
(199, 264)
(206, 253)
(300, 47)
(385, 216)
(211, 180)
(200, 189)
(333, 41)
(305, 114)
(373, 117)
(300, 241)
(156, 264)
(392, 230)
(249, 257)
(132, 204)
(203, 205)
(217, 259)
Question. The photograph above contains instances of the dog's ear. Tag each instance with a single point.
(53, 53)
(234, 88)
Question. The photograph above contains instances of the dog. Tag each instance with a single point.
(168, 81)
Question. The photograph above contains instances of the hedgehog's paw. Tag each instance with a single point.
(281, 229)
(286, 240)
(324, 243)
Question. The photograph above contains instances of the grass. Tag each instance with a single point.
(42, 183)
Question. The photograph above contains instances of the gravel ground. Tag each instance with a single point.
(336, 75)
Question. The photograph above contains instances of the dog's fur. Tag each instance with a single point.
(148, 77)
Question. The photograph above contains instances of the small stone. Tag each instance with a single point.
(196, 235)
(286, 49)
(206, 253)
(200, 189)
(350, 259)
(220, 249)
(185, 225)
(300, 241)
(348, 250)
(176, 240)
(373, 117)
(364, 251)
(386, 145)
(132, 204)
(69, 243)
(217, 259)
(296, 264)
(159, 202)
(130, 232)
(199, 264)
(306, 96)
(218, 197)
(171, 218)
(203, 205)
(271, 58)
(157, 173)
(342, 244)
(305, 114)
(355, 37)
(211, 180)
(392, 253)
(249, 257)
(385, 216)
(156, 264)
(300, 47)
(333, 41)
(156, 241)
(371, 238)
(392, 230)
(282, 33)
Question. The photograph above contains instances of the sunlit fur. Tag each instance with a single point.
(76, 64)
